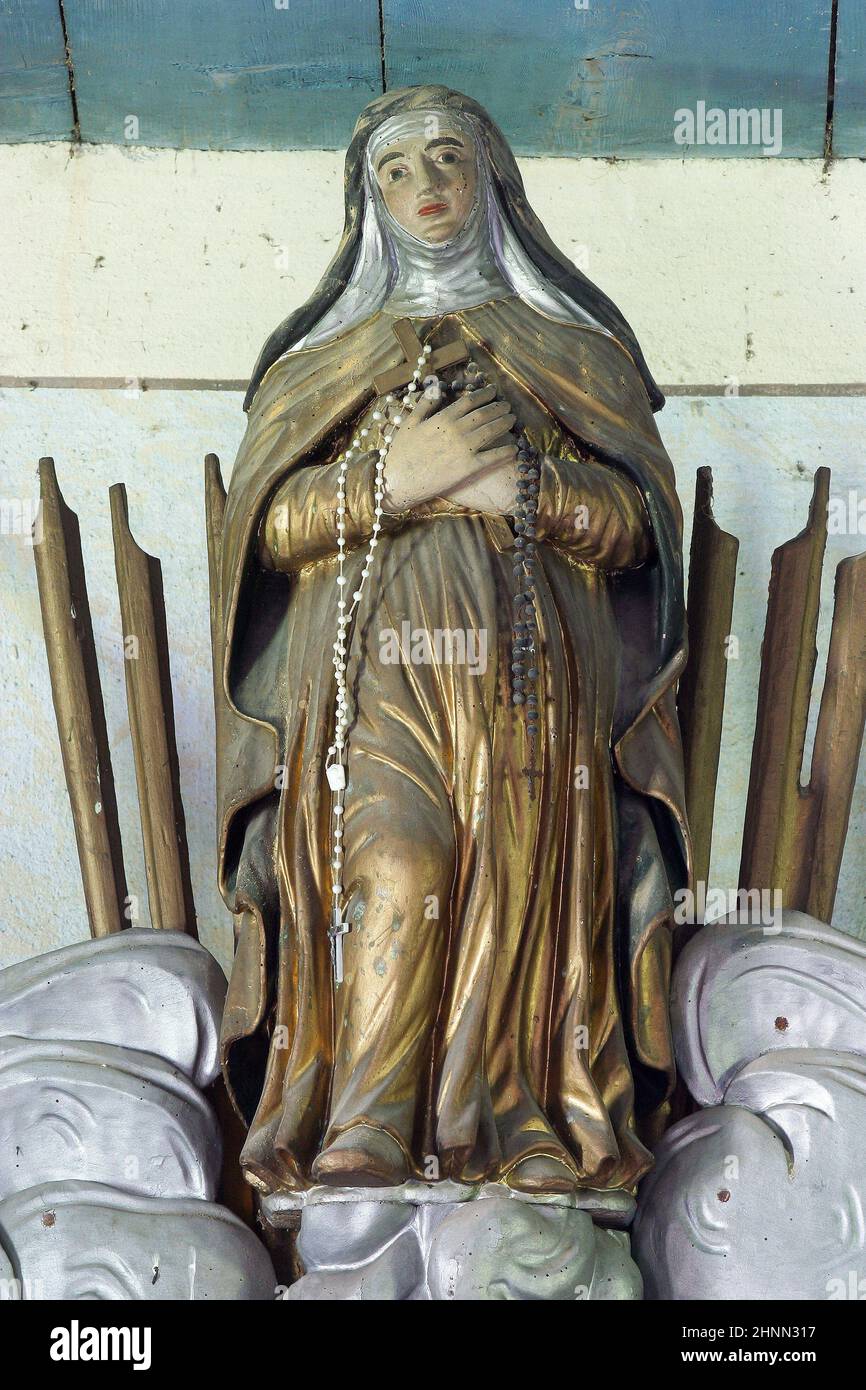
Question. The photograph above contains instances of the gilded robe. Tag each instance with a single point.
(507, 969)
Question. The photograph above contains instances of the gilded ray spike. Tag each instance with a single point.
(78, 705)
(825, 805)
(772, 836)
(215, 503)
(151, 722)
(701, 697)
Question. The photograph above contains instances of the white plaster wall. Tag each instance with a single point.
(158, 263)
(698, 256)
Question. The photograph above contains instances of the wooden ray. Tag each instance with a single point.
(151, 722)
(701, 695)
(825, 804)
(772, 844)
(78, 705)
(215, 505)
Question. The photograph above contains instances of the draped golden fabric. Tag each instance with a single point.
(502, 981)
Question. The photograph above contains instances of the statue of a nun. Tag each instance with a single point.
(448, 748)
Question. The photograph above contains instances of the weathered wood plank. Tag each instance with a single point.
(34, 81)
(849, 107)
(606, 79)
(253, 74)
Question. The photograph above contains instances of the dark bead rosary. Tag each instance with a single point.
(524, 650)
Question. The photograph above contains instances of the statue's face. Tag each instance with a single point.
(428, 182)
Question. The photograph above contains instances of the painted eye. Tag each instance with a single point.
(449, 157)
(395, 174)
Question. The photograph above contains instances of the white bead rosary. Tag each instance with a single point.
(335, 763)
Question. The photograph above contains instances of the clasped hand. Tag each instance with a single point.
(458, 453)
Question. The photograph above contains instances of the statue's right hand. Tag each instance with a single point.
(432, 453)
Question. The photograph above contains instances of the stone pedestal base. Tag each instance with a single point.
(433, 1242)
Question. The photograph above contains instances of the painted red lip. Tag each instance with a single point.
(429, 208)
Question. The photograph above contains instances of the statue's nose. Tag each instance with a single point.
(428, 176)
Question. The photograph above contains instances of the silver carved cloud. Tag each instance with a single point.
(492, 1248)
(94, 1112)
(75, 1240)
(155, 991)
(109, 1152)
(761, 1194)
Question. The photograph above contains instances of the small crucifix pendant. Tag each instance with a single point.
(530, 773)
(337, 930)
(395, 377)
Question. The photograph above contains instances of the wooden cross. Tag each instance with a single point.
(395, 377)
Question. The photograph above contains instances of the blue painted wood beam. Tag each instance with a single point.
(607, 77)
(35, 103)
(223, 74)
(579, 77)
(849, 109)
